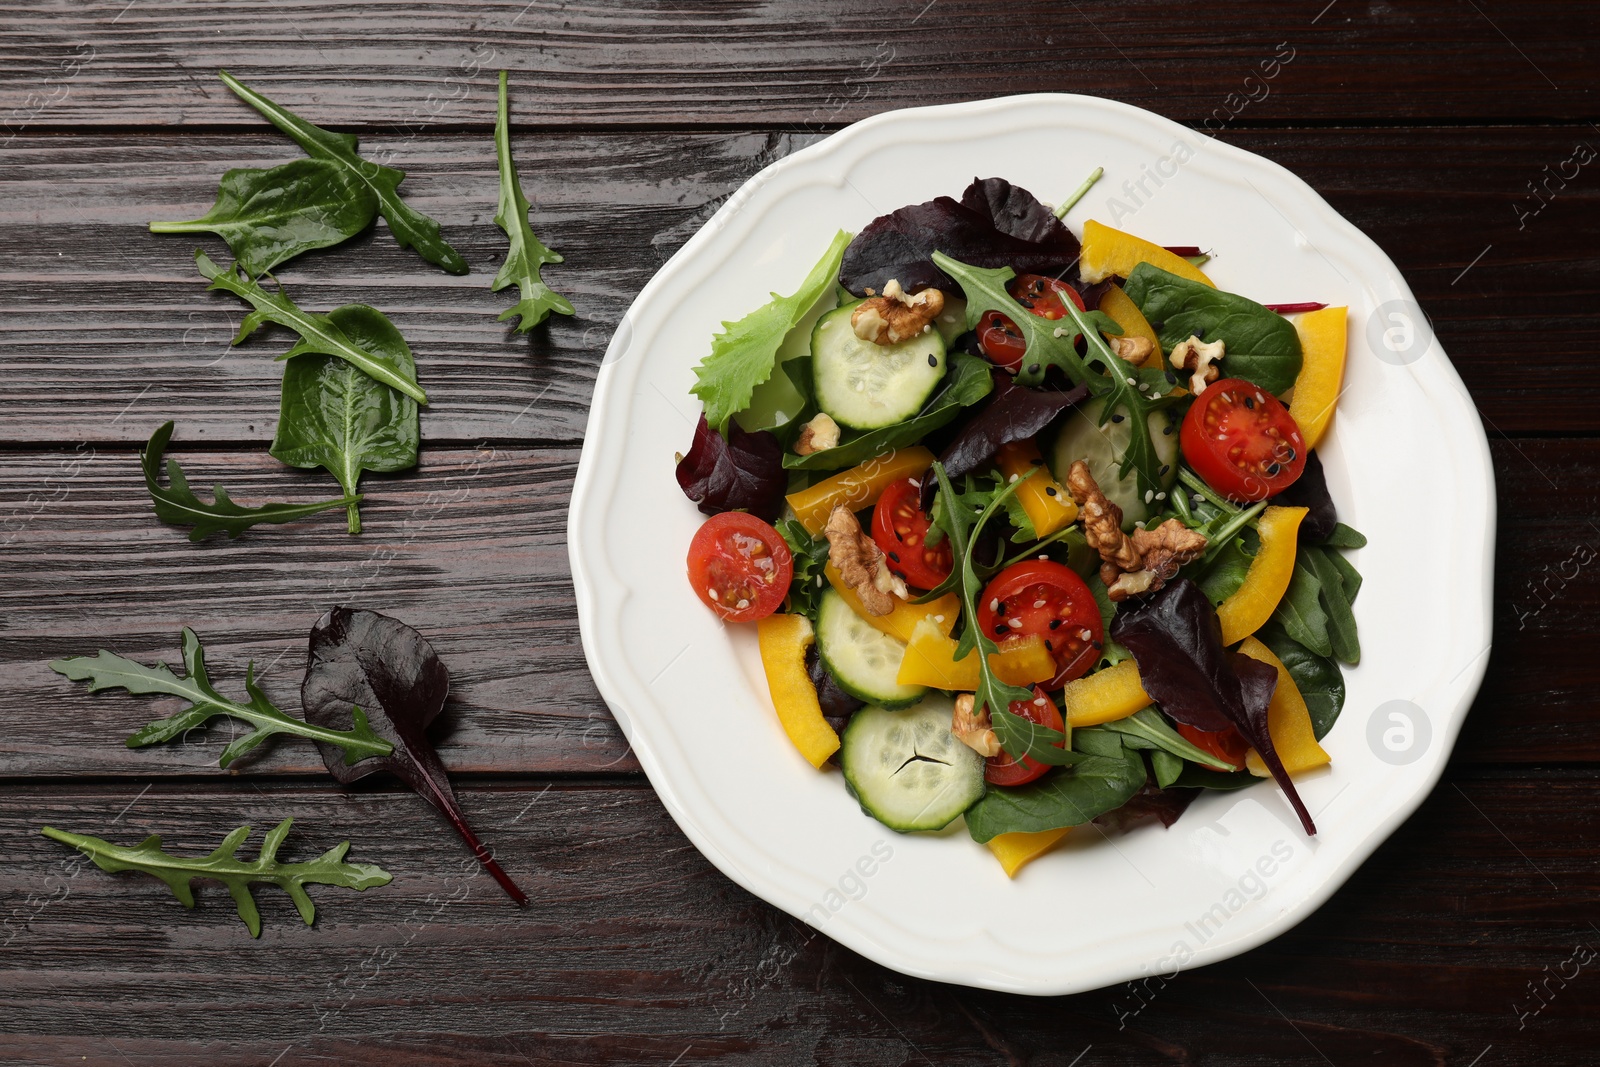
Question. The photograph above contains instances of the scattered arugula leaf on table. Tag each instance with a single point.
(270, 216)
(411, 228)
(225, 866)
(528, 255)
(110, 671)
(177, 505)
(744, 353)
(333, 415)
(318, 333)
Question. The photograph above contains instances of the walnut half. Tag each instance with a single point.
(896, 316)
(861, 563)
(1196, 357)
(818, 435)
(974, 731)
(1130, 564)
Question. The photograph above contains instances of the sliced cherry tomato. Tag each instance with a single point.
(901, 529)
(1002, 769)
(1242, 441)
(1224, 744)
(1039, 596)
(999, 337)
(740, 566)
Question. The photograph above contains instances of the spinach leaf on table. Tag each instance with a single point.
(1262, 346)
(318, 334)
(177, 505)
(332, 415)
(270, 216)
(528, 255)
(411, 228)
(225, 866)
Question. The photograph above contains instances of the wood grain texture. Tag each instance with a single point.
(404, 64)
(637, 951)
(96, 314)
(471, 549)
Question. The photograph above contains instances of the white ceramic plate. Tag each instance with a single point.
(1406, 452)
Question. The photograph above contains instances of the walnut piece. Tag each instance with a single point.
(1196, 357)
(974, 731)
(818, 435)
(1133, 349)
(1136, 564)
(896, 316)
(861, 563)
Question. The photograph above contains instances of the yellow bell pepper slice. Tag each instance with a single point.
(1105, 696)
(1125, 313)
(1288, 721)
(1016, 850)
(1316, 388)
(1048, 506)
(784, 640)
(1253, 603)
(1107, 252)
(857, 488)
(930, 660)
(902, 622)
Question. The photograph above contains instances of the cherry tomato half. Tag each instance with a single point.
(1242, 441)
(1002, 769)
(901, 529)
(1224, 744)
(740, 566)
(1039, 596)
(999, 337)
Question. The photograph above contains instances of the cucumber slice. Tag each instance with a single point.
(867, 386)
(907, 769)
(1101, 447)
(863, 658)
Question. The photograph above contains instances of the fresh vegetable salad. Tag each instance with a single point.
(1032, 528)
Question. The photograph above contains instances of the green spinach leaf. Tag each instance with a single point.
(743, 354)
(1347, 572)
(1300, 611)
(1071, 796)
(110, 671)
(528, 255)
(1336, 602)
(411, 228)
(1166, 767)
(968, 383)
(1318, 678)
(270, 216)
(1193, 777)
(1262, 346)
(1345, 537)
(224, 866)
(318, 334)
(178, 505)
(332, 415)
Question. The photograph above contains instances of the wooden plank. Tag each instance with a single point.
(471, 549)
(151, 63)
(637, 951)
(96, 313)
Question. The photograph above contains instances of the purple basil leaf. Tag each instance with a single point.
(742, 472)
(1310, 491)
(1176, 640)
(388, 670)
(1012, 413)
(1017, 213)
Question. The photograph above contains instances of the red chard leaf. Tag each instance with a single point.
(1017, 213)
(1013, 413)
(361, 659)
(740, 472)
(1176, 640)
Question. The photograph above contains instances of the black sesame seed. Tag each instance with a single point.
(1055, 624)
(933, 360)
(1249, 403)
(1034, 369)
(1096, 645)
(1000, 608)
(1291, 456)
(1037, 462)
(1165, 467)
(1116, 418)
(1050, 490)
(1001, 630)
(1166, 430)
(895, 556)
(1048, 647)
(1172, 379)
(1272, 470)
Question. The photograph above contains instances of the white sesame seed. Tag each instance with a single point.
(994, 604)
(1038, 702)
(1161, 496)
(1132, 380)
(1043, 556)
(1084, 635)
(710, 592)
(1014, 477)
(742, 604)
(1198, 500)
(938, 618)
(1015, 624)
(1059, 332)
(1038, 603)
(916, 483)
(1149, 495)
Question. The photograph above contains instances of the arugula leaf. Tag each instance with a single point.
(411, 228)
(1147, 728)
(742, 355)
(1126, 390)
(1070, 797)
(528, 254)
(224, 865)
(110, 671)
(968, 382)
(179, 506)
(318, 333)
(270, 216)
(1262, 346)
(332, 415)
(810, 557)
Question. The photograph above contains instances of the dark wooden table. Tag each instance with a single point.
(1446, 129)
